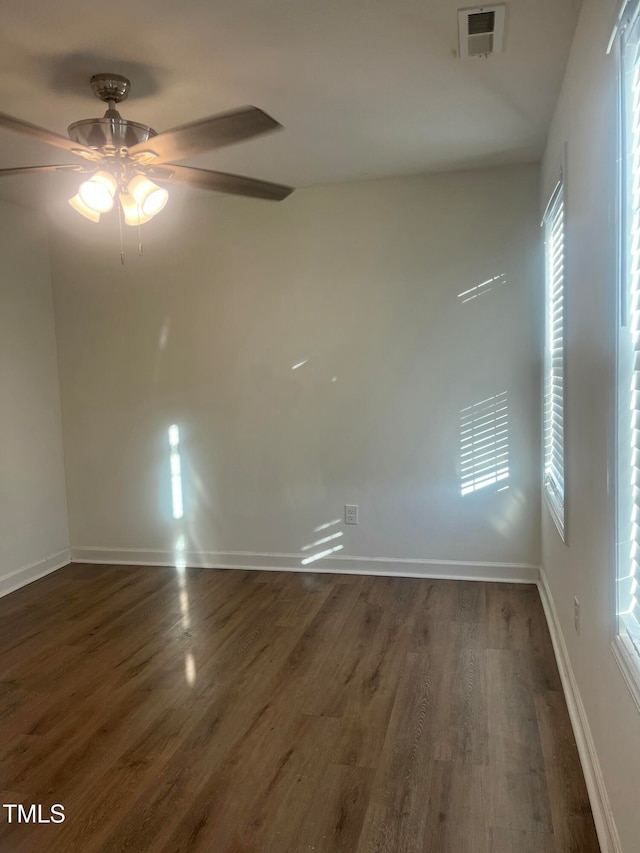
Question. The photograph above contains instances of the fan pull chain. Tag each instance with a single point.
(121, 237)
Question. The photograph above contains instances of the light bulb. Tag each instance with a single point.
(77, 204)
(150, 197)
(133, 214)
(98, 192)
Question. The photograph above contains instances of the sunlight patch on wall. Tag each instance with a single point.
(164, 335)
(483, 288)
(179, 554)
(484, 444)
(321, 554)
(327, 525)
(322, 541)
(176, 471)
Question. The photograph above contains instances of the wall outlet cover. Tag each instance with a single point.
(350, 513)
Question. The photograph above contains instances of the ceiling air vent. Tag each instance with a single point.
(481, 30)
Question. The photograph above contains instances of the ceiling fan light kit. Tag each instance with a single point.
(149, 196)
(131, 210)
(77, 204)
(121, 156)
(97, 193)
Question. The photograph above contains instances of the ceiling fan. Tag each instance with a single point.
(123, 159)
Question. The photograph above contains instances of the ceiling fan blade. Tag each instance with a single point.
(20, 126)
(27, 170)
(203, 135)
(219, 181)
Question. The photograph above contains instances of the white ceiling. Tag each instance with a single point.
(364, 88)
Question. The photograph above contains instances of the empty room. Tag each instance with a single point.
(320, 426)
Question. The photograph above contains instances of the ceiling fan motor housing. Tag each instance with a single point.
(109, 131)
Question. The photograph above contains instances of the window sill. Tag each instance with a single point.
(629, 663)
(556, 511)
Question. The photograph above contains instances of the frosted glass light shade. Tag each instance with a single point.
(98, 192)
(150, 197)
(133, 213)
(77, 204)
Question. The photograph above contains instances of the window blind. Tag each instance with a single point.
(554, 433)
(629, 345)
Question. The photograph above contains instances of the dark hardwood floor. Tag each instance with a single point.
(228, 711)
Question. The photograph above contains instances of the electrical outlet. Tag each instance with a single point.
(350, 513)
(576, 615)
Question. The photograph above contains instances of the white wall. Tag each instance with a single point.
(362, 281)
(34, 534)
(585, 119)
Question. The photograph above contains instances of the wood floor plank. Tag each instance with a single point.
(502, 840)
(572, 819)
(519, 796)
(515, 621)
(456, 790)
(396, 818)
(272, 712)
(333, 821)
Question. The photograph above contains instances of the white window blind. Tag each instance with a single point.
(628, 491)
(554, 384)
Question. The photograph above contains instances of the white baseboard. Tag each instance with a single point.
(602, 814)
(27, 574)
(447, 569)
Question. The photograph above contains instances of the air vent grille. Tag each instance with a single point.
(481, 23)
(481, 30)
(481, 45)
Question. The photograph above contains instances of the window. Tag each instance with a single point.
(628, 409)
(554, 387)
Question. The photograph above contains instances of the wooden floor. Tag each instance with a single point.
(228, 711)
